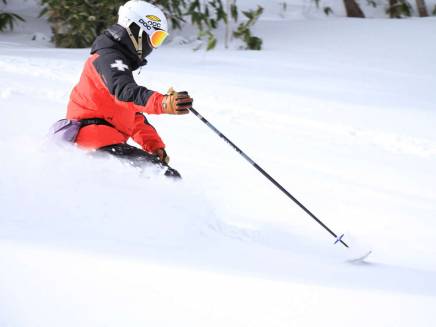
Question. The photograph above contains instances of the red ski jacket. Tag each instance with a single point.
(107, 90)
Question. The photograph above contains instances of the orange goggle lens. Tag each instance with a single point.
(157, 38)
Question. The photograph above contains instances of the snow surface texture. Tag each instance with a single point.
(341, 112)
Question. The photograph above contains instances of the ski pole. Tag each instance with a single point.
(268, 176)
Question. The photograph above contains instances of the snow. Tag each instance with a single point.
(114, 291)
(339, 111)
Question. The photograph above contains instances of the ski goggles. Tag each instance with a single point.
(157, 38)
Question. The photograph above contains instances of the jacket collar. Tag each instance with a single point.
(116, 37)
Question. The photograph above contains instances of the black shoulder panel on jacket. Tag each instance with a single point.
(113, 67)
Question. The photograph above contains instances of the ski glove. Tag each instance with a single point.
(176, 103)
(162, 155)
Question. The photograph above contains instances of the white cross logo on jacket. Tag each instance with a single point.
(118, 64)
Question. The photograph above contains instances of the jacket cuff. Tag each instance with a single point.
(154, 104)
(151, 147)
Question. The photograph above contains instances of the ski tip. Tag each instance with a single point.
(361, 259)
(339, 238)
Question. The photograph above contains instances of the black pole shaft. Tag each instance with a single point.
(264, 173)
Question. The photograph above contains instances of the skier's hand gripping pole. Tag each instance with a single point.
(176, 103)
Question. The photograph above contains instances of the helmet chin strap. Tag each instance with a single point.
(136, 44)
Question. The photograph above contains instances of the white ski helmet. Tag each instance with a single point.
(150, 20)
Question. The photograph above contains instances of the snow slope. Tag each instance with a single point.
(342, 114)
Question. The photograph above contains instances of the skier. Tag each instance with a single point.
(108, 103)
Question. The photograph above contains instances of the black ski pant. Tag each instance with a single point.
(137, 157)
